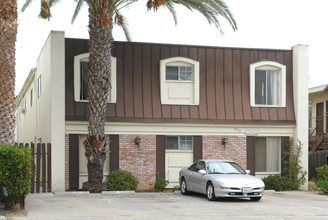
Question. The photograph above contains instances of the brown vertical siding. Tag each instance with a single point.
(114, 153)
(224, 85)
(160, 156)
(219, 82)
(74, 161)
(198, 147)
(237, 85)
(251, 154)
(120, 79)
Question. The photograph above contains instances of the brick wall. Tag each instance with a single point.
(67, 162)
(141, 162)
(235, 149)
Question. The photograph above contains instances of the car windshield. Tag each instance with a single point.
(223, 167)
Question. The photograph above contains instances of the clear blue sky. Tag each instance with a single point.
(277, 24)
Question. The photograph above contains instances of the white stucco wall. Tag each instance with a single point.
(45, 119)
(300, 82)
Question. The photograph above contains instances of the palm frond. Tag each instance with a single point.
(26, 4)
(170, 6)
(77, 10)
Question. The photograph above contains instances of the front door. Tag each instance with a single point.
(178, 154)
(83, 170)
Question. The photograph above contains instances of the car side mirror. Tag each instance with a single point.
(248, 171)
(202, 172)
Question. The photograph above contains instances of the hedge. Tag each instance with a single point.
(15, 174)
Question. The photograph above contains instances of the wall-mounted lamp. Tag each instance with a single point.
(224, 141)
(137, 141)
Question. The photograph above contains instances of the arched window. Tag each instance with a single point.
(267, 84)
(179, 78)
(81, 63)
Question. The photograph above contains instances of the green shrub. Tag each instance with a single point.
(322, 172)
(15, 173)
(160, 185)
(322, 180)
(121, 180)
(278, 183)
(292, 169)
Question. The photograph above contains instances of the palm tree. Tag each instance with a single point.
(8, 32)
(103, 14)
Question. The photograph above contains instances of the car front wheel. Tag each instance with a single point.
(210, 192)
(183, 187)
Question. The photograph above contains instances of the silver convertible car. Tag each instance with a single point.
(220, 178)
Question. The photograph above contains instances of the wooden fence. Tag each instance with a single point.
(41, 168)
(316, 159)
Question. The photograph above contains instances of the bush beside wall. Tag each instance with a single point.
(15, 174)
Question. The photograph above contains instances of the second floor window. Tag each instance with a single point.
(267, 84)
(179, 73)
(81, 74)
(267, 87)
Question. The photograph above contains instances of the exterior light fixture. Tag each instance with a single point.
(137, 141)
(224, 141)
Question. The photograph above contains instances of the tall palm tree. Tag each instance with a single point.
(103, 14)
(8, 32)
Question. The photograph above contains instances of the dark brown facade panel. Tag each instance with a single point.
(245, 93)
(73, 161)
(114, 152)
(193, 53)
(271, 56)
(289, 86)
(198, 148)
(137, 81)
(264, 113)
(194, 112)
(166, 111)
(184, 51)
(202, 83)
(219, 84)
(111, 110)
(210, 84)
(176, 111)
(273, 114)
(174, 51)
(120, 80)
(128, 81)
(156, 98)
(224, 84)
(256, 113)
(228, 84)
(237, 85)
(160, 156)
(185, 113)
(251, 154)
(147, 82)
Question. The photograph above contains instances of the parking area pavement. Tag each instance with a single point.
(274, 205)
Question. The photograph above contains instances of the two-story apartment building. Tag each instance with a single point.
(182, 102)
(318, 121)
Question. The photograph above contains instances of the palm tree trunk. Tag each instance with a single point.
(8, 32)
(98, 88)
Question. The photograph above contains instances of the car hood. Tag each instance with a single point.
(237, 179)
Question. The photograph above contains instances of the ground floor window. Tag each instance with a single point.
(267, 154)
(179, 143)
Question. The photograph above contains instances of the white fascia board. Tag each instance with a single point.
(73, 127)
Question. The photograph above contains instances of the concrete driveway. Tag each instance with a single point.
(274, 205)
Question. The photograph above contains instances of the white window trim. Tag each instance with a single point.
(268, 65)
(176, 61)
(77, 77)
